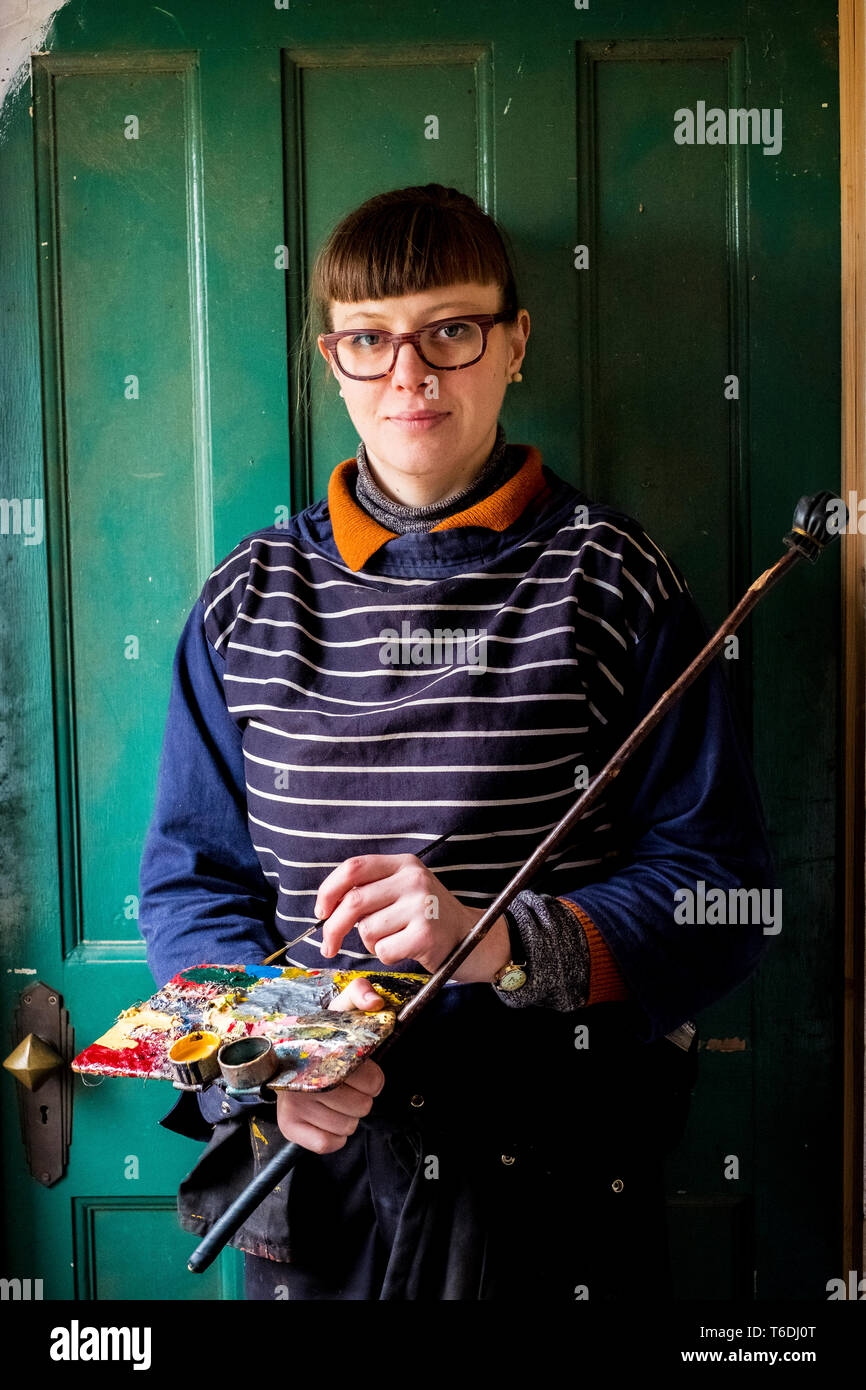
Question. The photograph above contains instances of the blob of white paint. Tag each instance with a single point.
(24, 28)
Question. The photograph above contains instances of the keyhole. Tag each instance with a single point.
(43, 1110)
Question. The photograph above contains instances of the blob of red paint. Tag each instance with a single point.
(147, 1058)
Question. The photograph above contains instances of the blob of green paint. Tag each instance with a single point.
(215, 975)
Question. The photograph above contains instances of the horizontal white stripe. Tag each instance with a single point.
(385, 670)
(431, 608)
(531, 832)
(344, 950)
(385, 707)
(464, 575)
(299, 863)
(332, 963)
(436, 869)
(312, 583)
(333, 768)
(388, 804)
(313, 893)
(377, 607)
(450, 579)
(336, 739)
(377, 641)
(289, 892)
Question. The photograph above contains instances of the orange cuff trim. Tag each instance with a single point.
(605, 982)
(358, 535)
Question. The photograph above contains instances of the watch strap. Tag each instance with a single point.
(515, 942)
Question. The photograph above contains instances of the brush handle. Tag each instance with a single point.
(234, 1216)
(269, 960)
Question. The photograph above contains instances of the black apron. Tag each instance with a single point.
(539, 1178)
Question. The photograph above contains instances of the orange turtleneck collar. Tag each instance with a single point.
(358, 535)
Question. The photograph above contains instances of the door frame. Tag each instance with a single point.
(852, 122)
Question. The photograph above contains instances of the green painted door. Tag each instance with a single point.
(684, 366)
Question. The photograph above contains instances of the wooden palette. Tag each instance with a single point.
(317, 1047)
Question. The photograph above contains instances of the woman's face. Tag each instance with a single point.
(456, 428)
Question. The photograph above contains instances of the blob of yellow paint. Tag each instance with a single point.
(122, 1034)
(194, 1047)
(342, 978)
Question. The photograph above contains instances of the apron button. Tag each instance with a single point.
(226, 1108)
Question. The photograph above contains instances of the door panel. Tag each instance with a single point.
(170, 387)
(373, 116)
(662, 323)
(128, 505)
(118, 1242)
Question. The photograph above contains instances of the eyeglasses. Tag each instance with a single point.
(446, 345)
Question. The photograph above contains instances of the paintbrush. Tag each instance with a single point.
(309, 931)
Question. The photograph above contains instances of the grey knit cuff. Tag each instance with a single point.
(556, 953)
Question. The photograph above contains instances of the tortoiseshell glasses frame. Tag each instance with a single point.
(485, 323)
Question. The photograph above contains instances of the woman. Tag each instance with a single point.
(452, 642)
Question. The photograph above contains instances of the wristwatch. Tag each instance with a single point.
(512, 975)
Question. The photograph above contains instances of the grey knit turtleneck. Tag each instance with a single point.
(502, 463)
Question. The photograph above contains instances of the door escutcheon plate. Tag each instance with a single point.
(42, 1047)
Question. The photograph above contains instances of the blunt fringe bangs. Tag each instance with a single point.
(406, 241)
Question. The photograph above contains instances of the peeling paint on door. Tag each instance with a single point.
(22, 34)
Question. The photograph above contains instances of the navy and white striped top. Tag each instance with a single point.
(309, 722)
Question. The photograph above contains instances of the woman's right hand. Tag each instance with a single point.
(322, 1121)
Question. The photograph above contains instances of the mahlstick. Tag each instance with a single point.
(810, 532)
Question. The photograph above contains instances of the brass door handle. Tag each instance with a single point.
(32, 1061)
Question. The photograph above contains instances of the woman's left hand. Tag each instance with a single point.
(403, 912)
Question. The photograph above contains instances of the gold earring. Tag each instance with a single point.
(517, 376)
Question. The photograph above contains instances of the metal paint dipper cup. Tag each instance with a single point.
(194, 1058)
(247, 1062)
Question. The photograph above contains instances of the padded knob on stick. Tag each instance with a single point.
(818, 518)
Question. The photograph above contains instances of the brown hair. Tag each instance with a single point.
(405, 241)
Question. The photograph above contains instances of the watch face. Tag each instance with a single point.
(513, 978)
